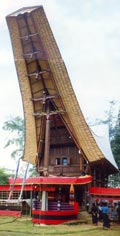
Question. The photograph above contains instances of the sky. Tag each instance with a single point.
(88, 36)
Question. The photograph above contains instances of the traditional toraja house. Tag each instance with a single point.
(57, 137)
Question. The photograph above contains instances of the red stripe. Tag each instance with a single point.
(54, 180)
(53, 213)
(10, 213)
(64, 216)
(105, 191)
(49, 222)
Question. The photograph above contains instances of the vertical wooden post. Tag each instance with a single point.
(47, 142)
(44, 206)
(87, 168)
(31, 203)
(94, 177)
(81, 161)
(99, 179)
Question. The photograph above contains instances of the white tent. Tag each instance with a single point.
(101, 136)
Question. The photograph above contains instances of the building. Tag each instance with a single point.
(57, 138)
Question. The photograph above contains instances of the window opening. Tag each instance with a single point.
(57, 161)
(64, 161)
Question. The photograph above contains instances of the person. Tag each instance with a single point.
(118, 212)
(87, 206)
(100, 212)
(105, 213)
(113, 213)
(94, 212)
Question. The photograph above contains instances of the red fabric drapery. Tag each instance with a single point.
(54, 180)
(104, 191)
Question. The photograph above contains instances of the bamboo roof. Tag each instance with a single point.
(41, 68)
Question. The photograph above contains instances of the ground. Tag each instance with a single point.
(23, 226)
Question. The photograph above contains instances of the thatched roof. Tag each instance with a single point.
(40, 67)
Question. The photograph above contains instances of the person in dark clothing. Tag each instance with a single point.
(100, 216)
(105, 212)
(118, 212)
(87, 206)
(94, 212)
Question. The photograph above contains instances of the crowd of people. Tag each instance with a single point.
(103, 213)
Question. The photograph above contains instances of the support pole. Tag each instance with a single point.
(47, 142)
(46, 158)
(44, 206)
(81, 161)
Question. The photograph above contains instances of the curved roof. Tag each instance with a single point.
(41, 69)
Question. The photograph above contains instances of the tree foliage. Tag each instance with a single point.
(15, 127)
(115, 142)
(109, 119)
(3, 177)
(113, 123)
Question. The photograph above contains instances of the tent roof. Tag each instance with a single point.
(103, 142)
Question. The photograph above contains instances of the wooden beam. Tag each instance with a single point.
(47, 141)
(45, 97)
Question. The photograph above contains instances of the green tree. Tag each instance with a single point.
(15, 127)
(113, 122)
(109, 119)
(115, 142)
(3, 177)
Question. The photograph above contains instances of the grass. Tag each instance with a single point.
(23, 227)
